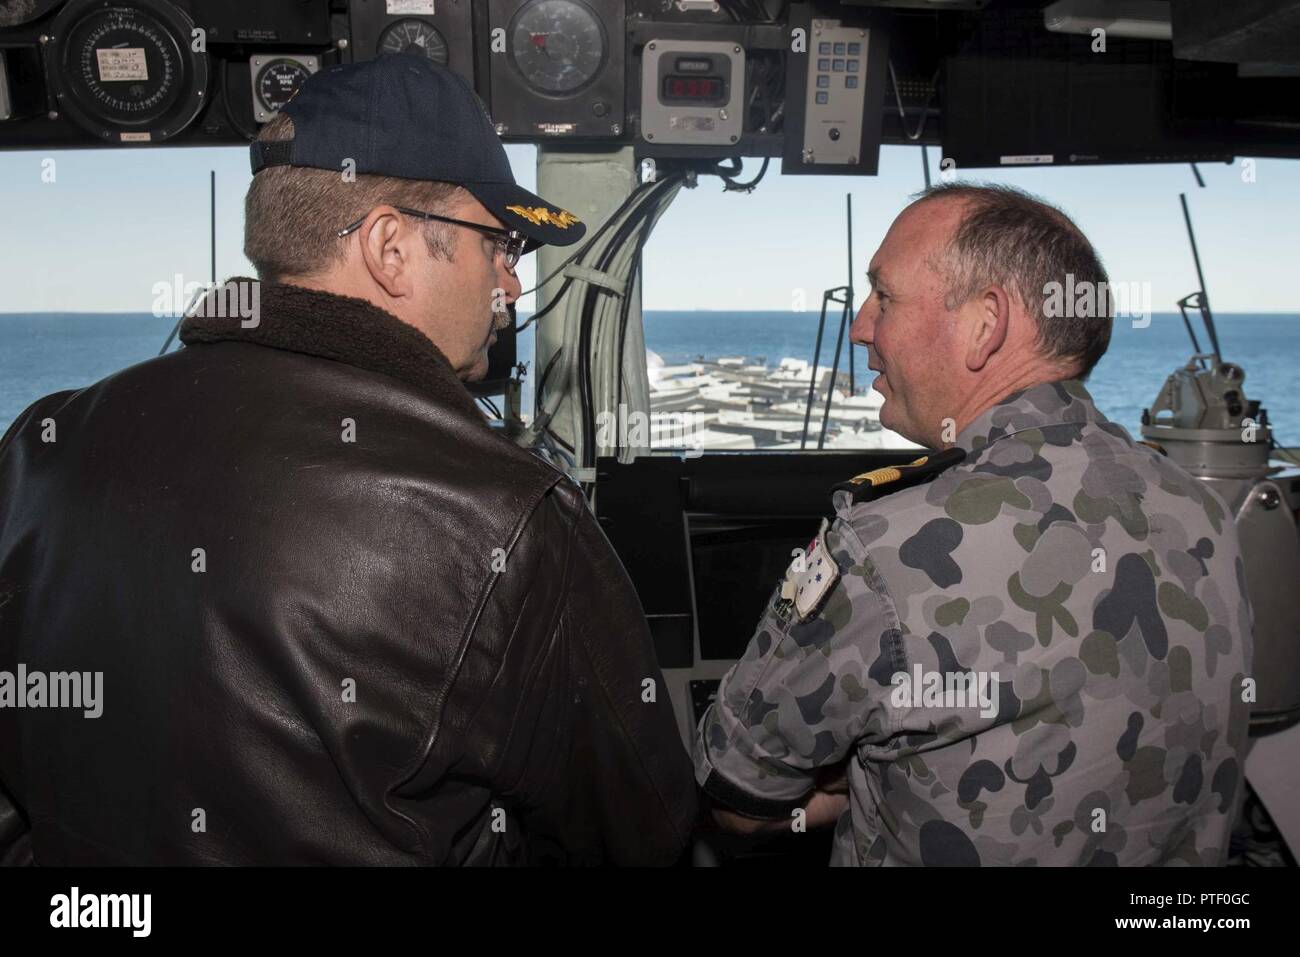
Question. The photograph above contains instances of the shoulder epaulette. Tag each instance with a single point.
(878, 483)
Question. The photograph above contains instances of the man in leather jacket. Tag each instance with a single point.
(327, 614)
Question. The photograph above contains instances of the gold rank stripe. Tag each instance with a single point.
(537, 215)
(890, 473)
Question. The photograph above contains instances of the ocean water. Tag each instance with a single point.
(42, 353)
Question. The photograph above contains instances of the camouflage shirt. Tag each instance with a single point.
(1036, 658)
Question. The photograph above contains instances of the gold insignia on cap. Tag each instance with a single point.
(537, 215)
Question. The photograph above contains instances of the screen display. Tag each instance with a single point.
(737, 566)
(694, 88)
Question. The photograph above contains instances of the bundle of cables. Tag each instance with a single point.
(595, 299)
(602, 357)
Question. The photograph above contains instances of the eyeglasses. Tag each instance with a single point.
(509, 242)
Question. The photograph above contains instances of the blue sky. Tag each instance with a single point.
(115, 222)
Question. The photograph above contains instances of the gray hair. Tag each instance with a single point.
(1012, 239)
(292, 213)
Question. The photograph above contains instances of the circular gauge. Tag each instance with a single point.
(413, 36)
(558, 45)
(128, 69)
(278, 81)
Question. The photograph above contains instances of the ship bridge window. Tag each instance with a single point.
(115, 244)
(733, 285)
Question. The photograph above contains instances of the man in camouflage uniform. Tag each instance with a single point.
(1031, 647)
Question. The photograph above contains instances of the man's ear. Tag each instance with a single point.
(384, 239)
(989, 322)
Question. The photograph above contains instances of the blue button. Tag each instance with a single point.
(824, 65)
(823, 48)
(823, 82)
(822, 97)
(839, 49)
(851, 66)
(838, 66)
(855, 49)
(850, 83)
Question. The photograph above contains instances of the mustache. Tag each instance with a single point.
(500, 322)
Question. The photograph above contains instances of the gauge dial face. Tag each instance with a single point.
(278, 81)
(558, 45)
(413, 36)
(124, 66)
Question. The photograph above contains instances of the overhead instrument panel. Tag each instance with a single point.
(410, 35)
(558, 45)
(286, 24)
(673, 79)
(839, 86)
(439, 30)
(560, 74)
(707, 90)
(125, 71)
(276, 78)
(692, 92)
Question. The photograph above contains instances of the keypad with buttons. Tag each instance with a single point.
(833, 131)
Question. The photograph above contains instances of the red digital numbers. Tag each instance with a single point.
(693, 87)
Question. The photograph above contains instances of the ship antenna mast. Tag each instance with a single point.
(1200, 299)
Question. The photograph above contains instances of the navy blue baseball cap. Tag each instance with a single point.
(404, 115)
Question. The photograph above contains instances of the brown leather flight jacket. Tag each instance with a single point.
(338, 619)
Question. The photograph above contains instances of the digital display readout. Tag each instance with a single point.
(693, 88)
